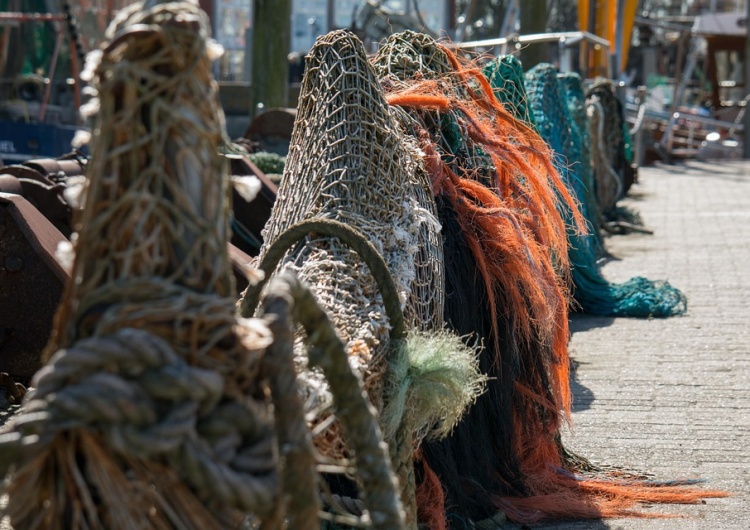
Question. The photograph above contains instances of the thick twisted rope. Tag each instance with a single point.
(152, 413)
(145, 401)
(379, 489)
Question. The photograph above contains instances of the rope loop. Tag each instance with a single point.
(146, 401)
(348, 235)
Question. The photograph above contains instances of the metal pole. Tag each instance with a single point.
(619, 37)
(449, 18)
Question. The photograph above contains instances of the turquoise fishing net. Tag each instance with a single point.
(628, 142)
(572, 87)
(638, 297)
(505, 75)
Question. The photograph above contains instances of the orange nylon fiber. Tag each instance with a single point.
(512, 220)
(513, 225)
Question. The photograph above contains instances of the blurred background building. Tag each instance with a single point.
(40, 58)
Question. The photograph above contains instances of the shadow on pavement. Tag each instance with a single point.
(580, 322)
(571, 525)
(583, 397)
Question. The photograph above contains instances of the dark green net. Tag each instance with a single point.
(551, 114)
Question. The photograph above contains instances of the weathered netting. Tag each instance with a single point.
(523, 470)
(605, 131)
(350, 163)
(150, 412)
(498, 201)
(572, 86)
(612, 144)
(505, 74)
(449, 104)
(347, 162)
(638, 297)
(496, 162)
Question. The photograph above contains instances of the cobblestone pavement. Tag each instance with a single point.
(672, 396)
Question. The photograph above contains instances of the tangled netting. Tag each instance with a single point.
(149, 414)
(506, 257)
(605, 125)
(638, 297)
(505, 75)
(499, 200)
(572, 86)
(354, 192)
(612, 155)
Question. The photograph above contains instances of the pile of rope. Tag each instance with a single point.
(153, 410)
(638, 297)
(147, 413)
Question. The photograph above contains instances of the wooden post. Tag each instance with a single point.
(533, 20)
(270, 66)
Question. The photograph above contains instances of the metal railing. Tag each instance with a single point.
(566, 40)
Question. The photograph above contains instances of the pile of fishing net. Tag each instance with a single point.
(355, 219)
(611, 146)
(556, 112)
(506, 214)
(126, 422)
(415, 269)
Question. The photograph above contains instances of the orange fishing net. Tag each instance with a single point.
(497, 175)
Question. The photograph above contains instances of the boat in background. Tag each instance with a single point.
(40, 89)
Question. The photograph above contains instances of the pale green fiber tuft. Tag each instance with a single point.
(432, 378)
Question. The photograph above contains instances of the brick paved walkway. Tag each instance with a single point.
(672, 396)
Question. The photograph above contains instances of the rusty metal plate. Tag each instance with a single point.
(31, 285)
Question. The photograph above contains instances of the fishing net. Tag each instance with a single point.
(606, 144)
(638, 297)
(355, 170)
(357, 187)
(572, 87)
(149, 413)
(497, 202)
(505, 75)
(505, 453)
(612, 149)
(498, 163)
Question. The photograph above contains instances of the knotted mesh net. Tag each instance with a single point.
(572, 86)
(505, 75)
(349, 162)
(606, 145)
(357, 188)
(638, 297)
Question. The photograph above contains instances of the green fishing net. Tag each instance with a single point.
(638, 297)
(505, 75)
(572, 87)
